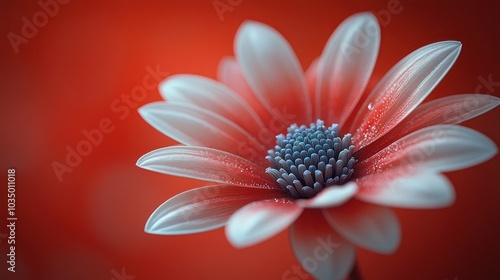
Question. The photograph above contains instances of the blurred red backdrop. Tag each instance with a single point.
(74, 73)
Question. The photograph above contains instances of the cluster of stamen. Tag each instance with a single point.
(309, 159)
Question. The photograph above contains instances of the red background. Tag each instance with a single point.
(90, 225)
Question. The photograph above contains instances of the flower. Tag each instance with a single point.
(292, 149)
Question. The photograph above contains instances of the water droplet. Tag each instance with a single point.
(373, 128)
(370, 106)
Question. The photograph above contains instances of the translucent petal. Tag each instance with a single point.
(212, 96)
(261, 220)
(438, 148)
(319, 249)
(331, 196)
(419, 190)
(346, 66)
(405, 86)
(452, 109)
(206, 164)
(229, 72)
(311, 79)
(203, 209)
(312, 75)
(273, 72)
(192, 125)
(370, 226)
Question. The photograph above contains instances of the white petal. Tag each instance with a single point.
(226, 74)
(367, 225)
(203, 209)
(273, 71)
(452, 109)
(438, 148)
(192, 125)
(420, 190)
(206, 164)
(405, 86)
(319, 249)
(213, 96)
(261, 220)
(346, 66)
(312, 77)
(229, 72)
(331, 196)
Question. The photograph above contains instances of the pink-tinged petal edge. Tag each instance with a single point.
(195, 126)
(424, 190)
(370, 226)
(311, 78)
(319, 249)
(345, 67)
(403, 88)
(203, 209)
(273, 72)
(452, 109)
(229, 73)
(261, 220)
(212, 96)
(331, 196)
(206, 164)
(438, 148)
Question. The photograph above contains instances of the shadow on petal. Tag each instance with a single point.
(319, 249)
(370, 226)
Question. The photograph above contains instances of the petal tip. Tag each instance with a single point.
(484, 145)
(142, 161)
(450, 47)
(143, 110)
(366, 16)
(455, 46)
(495, 100)
(251, 26)
(235, 239)
(331, 197)
(149, 227)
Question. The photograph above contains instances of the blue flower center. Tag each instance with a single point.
(309, 159)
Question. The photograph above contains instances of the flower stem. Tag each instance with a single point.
(355, 274)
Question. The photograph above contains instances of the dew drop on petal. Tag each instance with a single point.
(370, 106)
